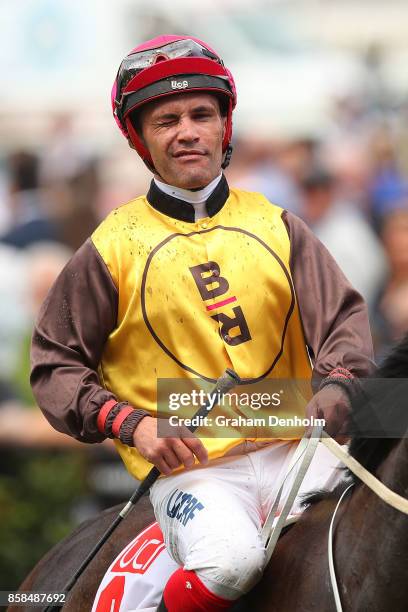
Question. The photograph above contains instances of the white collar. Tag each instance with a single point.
(192, 197)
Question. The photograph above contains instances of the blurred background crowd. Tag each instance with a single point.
(321, 128)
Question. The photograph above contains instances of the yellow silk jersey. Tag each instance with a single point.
(197, 298)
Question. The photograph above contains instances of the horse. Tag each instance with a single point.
(370, 543)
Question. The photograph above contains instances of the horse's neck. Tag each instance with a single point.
(372, 542)
(394, 470)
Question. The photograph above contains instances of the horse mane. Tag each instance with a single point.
(379, 418)
(379, 413)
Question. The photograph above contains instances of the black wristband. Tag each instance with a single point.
(346, 383)
(127, 429)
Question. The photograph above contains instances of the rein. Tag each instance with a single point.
(332, 571)
(387, 495)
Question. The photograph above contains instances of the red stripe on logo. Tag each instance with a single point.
(222, 303)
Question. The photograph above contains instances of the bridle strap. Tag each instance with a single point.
(387, 495)
(332, 571)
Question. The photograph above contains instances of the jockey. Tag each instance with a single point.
(181, 283)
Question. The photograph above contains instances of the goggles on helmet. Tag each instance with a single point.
(135, 62)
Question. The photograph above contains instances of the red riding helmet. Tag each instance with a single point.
(164, 66)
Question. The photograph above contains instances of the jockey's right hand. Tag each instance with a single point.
(167, 454)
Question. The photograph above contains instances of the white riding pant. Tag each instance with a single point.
(211, 516)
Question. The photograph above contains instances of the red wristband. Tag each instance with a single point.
(342, 373)
(123, 414)
(103, 414)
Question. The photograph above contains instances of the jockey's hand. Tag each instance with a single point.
(167, 454)
(333, 405)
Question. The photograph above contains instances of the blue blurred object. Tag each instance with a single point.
(388, 192)
(25, 234)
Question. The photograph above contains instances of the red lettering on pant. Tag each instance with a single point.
(111, 596)
(138, 556)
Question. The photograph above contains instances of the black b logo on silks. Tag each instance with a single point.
(234, 330)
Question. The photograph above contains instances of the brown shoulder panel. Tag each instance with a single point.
(78, 315)
(333, 313)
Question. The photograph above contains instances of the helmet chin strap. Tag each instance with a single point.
(227, 157)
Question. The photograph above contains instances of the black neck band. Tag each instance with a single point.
(184, 211)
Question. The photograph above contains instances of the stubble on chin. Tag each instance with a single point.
(189, 178)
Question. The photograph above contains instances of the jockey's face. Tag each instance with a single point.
(184, 135)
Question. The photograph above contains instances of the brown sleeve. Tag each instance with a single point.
(75, 320)
(334, 315)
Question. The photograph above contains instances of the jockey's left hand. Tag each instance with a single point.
(333, 405)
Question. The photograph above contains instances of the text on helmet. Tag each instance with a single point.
(179, 84)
